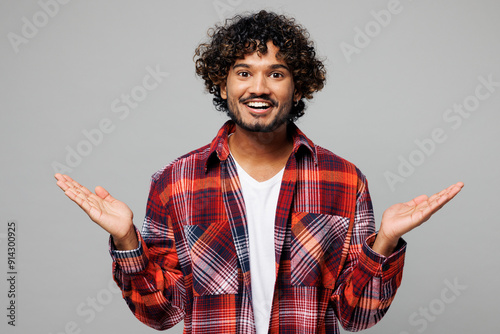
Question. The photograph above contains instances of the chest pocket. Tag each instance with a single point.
(316, 247)
(213, 257)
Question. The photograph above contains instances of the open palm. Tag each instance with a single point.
(404, 217)
(111, 214)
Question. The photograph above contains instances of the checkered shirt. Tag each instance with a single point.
(193, 257)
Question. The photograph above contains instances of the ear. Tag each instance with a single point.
(223, 90)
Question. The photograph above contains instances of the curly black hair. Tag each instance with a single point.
(244, 35)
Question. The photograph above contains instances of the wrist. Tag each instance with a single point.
(384, 245)
(128, 242)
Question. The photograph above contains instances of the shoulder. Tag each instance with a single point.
(327, 160)
(340, 170)
(193, 162)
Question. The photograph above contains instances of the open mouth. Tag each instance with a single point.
(260, 106)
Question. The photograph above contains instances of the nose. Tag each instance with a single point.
(259, 85)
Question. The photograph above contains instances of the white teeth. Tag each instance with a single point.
(258, 104)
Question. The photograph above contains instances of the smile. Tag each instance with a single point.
(258, 107)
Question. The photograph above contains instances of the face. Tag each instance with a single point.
(260, 91)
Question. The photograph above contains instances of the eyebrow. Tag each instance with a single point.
(274, 66)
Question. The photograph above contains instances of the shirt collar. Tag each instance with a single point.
(220, 148)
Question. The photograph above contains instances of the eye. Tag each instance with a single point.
(277, 75)
(243, 74)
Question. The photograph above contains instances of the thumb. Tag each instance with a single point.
(104, 194)
(417, 200)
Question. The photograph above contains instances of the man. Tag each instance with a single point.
(260, 230)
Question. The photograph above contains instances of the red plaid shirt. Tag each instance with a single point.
(193, 259)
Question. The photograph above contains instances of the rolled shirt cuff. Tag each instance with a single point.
(379, 265)
(129, 261)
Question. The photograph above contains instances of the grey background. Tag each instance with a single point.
(395, 91)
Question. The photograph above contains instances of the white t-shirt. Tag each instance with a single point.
(261, 200)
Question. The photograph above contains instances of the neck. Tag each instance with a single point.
(261, 154)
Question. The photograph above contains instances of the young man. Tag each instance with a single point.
(260, 230)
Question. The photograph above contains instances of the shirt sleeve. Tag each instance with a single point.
(149, 276)
(368, 282)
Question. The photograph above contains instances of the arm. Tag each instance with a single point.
(374, 267)
(146, 270)
(368, 281)
(150, 276)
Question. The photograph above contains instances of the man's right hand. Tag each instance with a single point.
(109, 213)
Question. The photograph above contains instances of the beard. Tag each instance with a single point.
(281, 117)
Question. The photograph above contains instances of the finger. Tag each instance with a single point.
(61, 181)
(453, 189)
(104, 194)
(63, 185)
(437, 201)
(417, 200)
(447, 194)
(80, 188)
(67, 178)
(76, 195)
(447, 197)
(81, 200)
(72, 183)
(65, 181)
(85, 199)
(439, 194)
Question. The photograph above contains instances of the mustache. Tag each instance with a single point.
(264, 97)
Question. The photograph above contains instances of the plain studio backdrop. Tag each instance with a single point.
(106, 92)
